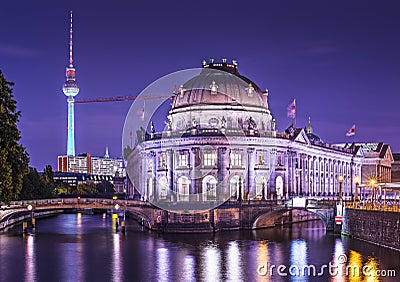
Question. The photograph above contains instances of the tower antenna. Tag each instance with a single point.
(70, 45)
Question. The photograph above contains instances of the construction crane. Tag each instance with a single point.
(122, 99)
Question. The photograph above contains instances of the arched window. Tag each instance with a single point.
(162, 188)
(183, 188)
(279, 186)
(209, 188)
(149, 188)
(234, 187)
(261, 183)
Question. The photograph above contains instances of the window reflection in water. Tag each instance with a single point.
(233, 262)
(211, 264)
(189, 267)
(298, 259)
(338, 273)
(163, 261)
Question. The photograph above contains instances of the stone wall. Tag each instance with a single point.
(378, 227)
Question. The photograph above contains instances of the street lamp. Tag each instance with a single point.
(373, 182)
(340, 187)
(357, 182)
(30, 208)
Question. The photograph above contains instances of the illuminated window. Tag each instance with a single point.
(161, 161)
(209, 188)
(183, 159)
(236, 159)
(261, 160)
(209, 158)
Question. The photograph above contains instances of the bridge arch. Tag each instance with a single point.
(140, 211)
(264, 219)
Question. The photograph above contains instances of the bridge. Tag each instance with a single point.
(232, 215)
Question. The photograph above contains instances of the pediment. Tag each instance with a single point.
(302, 138)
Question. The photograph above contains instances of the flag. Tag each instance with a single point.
(291, 110)
(352, 131)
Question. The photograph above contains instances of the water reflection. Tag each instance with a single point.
(77, 248)
(298, 260)
(211, 263)
(338, 262)
(117, 263)
(233, 262)
(163, 261)
(30, 260)
(189, 267)
(370, 270)
(354, 266)
(263, 262)
(72, 251)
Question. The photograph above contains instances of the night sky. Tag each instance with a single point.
(339, 59)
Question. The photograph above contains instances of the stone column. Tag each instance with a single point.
(223, 185)
(302, 173)
(309, 171)
(143, 175)
(314, 180)
(194, 171)
(153, 156)
(171, 191)
(251, 187)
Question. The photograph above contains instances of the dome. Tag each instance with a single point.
(219, 84)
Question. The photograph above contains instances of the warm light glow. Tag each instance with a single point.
(115, 197)
(356, 179)
(29, 207)
(372, 182)
(340, 178)
(116, 206)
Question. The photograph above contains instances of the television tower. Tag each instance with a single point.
(70, 90)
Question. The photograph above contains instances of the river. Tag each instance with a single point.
(75, 247)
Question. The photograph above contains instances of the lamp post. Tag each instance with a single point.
(372, 182)
(340, 187)
(357, 182)
(30, 208)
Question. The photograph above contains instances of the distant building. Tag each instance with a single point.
(86, 164)
(396, 167)
(74, 179)
(377, 163)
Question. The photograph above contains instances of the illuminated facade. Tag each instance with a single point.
(85, 163)
(220, 143)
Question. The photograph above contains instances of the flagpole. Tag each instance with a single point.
(295, 113)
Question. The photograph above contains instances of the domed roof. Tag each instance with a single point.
(219, 83)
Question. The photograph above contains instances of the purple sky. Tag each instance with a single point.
(339, 59)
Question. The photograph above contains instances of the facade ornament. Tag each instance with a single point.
(214, 87)
(223, 122)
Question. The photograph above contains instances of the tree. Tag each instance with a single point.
(105, 187)
(14, 159)
(86, 188)
(36, 187)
